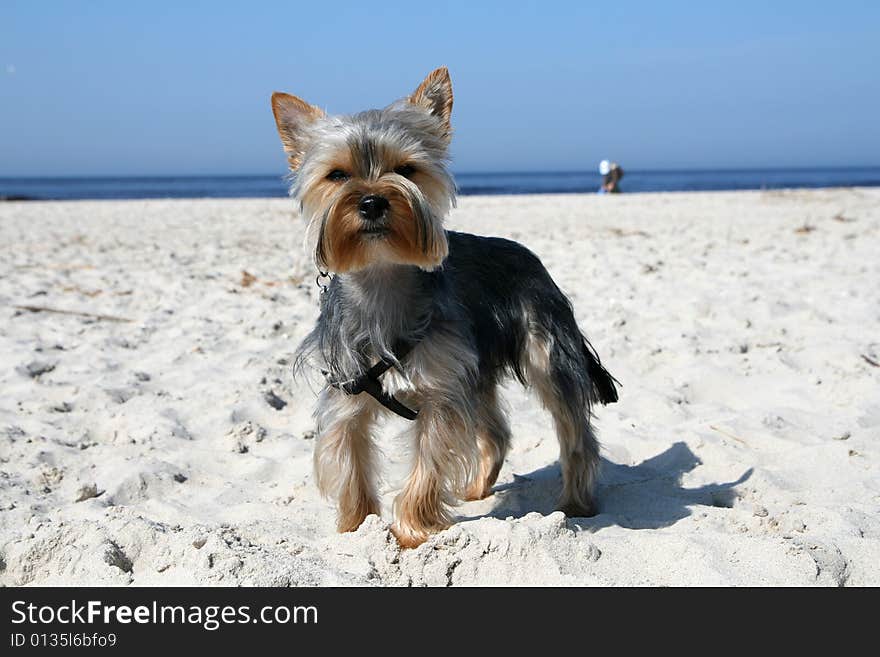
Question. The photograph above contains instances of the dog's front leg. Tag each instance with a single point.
(444, 458)
(344, 456)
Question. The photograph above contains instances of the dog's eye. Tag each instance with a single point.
(337, 175)
(405, 170)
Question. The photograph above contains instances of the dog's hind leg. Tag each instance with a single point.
(493, 440)
(345, 456)
(556, 369)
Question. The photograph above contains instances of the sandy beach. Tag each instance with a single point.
(155, 436)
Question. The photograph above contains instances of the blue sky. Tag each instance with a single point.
(128, 88)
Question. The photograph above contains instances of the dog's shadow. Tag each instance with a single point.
(644, 496)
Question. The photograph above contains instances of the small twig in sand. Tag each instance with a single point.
(620, 232)
(729, 435)
(247, 278)
(870, 361)
(62, 267)
(44, 309)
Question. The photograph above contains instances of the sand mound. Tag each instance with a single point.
(159, 439)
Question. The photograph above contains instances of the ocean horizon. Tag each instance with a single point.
(469, 183)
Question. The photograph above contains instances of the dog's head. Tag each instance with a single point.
(373, 187)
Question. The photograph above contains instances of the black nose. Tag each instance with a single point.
(372, 207)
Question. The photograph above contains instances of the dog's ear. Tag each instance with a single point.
(293, 116)
(435, 95)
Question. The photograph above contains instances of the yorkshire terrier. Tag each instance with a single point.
(425, 321)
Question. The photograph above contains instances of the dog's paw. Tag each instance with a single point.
(350, 519)
(477, 491)
(578, 510)
(407, 537)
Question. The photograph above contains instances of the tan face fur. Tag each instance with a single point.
(398, 153)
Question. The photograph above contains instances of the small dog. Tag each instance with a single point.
(426, 321)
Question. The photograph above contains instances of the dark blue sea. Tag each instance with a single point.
(570, 182)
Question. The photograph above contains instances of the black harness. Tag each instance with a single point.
(369, 383)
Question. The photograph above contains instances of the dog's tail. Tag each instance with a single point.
(603, 385)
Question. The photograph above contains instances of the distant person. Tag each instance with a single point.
(611, 176)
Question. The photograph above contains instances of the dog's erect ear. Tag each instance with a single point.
(435, 95)
(293, 117)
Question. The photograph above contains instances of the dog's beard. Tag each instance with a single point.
(410, 233)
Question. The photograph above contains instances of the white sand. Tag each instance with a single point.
(745, 448)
